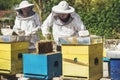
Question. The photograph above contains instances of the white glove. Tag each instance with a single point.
(47, 36)
(21, 32)
(28, 34)
(83, 33)
(6, 31)
(118, 46)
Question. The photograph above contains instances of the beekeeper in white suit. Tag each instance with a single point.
(64, 22)
(27, 23)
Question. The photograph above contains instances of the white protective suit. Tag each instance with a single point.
(30, 26)
(60, 29)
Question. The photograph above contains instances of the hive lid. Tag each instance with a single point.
(81, 40)
(14, 38)
(113, 54)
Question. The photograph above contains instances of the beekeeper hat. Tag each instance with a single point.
(63, 7)
(24, 4)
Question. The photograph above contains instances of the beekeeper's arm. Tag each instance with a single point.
(17, 27)
(80, 26)
(46, 26)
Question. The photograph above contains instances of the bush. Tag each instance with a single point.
(101, 17)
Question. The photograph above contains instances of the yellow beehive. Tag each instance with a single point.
(11, 56)
(83, 60)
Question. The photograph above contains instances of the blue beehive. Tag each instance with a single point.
(115, 69)
(42, 66)
(114, 56)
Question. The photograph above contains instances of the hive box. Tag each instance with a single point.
(14, 38)
(42, 66)
(114, 56)
(11, 56)
(44, 47)
(81, 40)
(115, 69)
(83, 60)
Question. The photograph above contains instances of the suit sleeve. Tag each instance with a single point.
(47, 24)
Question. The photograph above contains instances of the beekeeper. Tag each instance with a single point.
(27, 23)
(64, 22)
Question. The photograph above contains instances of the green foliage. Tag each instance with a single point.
(101, 17)
(8, 4)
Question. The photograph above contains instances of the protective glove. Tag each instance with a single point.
(118, 46)
(28, 34)
(83, 33)
(21, 32)
(47, 36)
(6, 31)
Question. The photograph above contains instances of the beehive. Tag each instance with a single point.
(42, 66)
(114, 56)
(11, 56)
(83, 60)
(44, 47)
(114, 68)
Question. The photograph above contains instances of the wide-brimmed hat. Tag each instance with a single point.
(24, 4)
(63, 7)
